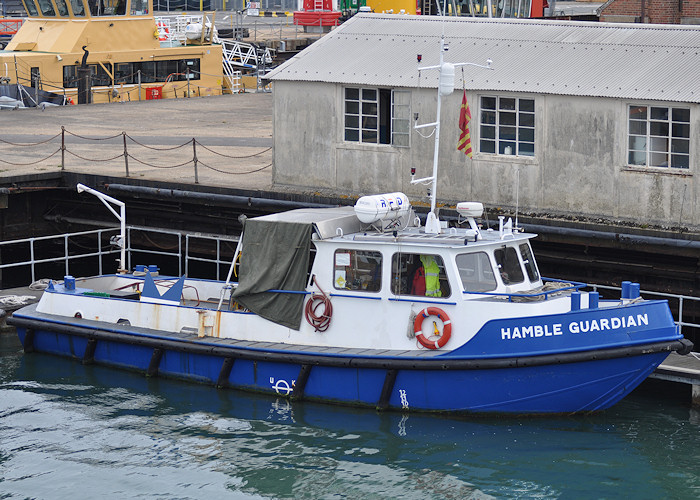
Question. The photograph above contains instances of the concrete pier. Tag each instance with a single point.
(237, 128)
(683, 369)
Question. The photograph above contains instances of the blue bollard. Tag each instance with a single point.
(593, 298)
(69, 282)
(626, 289)
(575, 301)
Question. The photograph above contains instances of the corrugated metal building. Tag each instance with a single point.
(591, 119)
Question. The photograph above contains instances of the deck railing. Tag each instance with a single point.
(32, 243)
(40, 250)
(671, 297)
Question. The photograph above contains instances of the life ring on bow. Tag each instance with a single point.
(163, 32)
(446, 328)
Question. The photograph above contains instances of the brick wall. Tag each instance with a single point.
(655, 11)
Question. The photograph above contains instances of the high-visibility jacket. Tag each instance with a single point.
(432, 276)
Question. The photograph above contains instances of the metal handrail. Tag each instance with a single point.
(673, 296)
(218, 261)
(33, 261)
(103, 250)
(573, 285)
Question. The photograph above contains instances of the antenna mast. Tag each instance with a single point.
(446, 85)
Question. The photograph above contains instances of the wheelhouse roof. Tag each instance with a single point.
(326, 222)
(616, 60)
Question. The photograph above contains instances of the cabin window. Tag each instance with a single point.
(529, 261)
(128, 73)
(62, 8)
(476, 272)
(46, 8)
(77, 7)
(99, 77)
(357, 270)
(35, 77)
(508, 265)
(31, 8)
(659, 137)
(119, 8)
(377, 116)
(139, 7)
(507, 126)
(107, 7)
(123, 73)
(70, 77)
(419, 274)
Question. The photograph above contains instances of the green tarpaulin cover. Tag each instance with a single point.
(275, 256)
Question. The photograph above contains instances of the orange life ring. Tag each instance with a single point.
(446, 327)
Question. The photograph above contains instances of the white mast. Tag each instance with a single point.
(446, 85)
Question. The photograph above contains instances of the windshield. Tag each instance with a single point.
(508, 265)
(476, 272)
(529, 261)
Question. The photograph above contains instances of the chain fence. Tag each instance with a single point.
(132, 150)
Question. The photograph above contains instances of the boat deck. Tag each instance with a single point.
(191, 336)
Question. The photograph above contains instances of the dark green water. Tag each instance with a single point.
(73, 431)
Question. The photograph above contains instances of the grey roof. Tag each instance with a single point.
(640, 61)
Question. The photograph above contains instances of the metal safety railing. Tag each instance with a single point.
(67, 257)
(669, 296)
(182, 249)
(44, 249)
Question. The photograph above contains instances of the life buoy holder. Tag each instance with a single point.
(163, 32)
(444, 337)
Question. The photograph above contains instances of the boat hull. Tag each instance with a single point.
(566, 383)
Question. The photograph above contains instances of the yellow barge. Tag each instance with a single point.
(109, 50)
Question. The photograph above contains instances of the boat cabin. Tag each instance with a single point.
(391, 256)
(128, 55)
(412, 263)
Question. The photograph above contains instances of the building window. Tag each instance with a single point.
(507, 126)
(659, 136)
(357, 270)
(400, 118)
(377, 116)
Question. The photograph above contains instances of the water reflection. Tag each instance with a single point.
(119, 434)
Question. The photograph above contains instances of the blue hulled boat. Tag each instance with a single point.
(366, 305)
(330, 308)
